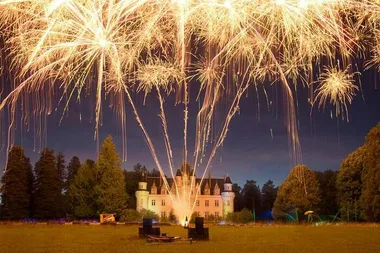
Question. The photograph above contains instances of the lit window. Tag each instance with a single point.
(216, 202)
(216, 214)
(197, 202)
(206, 203)
(153, 202)
(162, 202)
(163, 214)
(206, 215)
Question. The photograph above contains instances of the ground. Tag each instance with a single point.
(265, 238)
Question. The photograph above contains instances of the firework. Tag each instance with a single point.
(336, 86)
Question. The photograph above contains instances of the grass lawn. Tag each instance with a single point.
(255, 239)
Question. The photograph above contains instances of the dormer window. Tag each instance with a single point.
(153, 190)
(216, 190)
(207, 189)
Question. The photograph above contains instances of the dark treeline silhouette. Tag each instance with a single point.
(53, 190)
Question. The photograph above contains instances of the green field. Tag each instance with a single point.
(247, 239)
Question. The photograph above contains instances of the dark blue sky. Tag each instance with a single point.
(249, 151)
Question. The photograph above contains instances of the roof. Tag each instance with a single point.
(159, 182)
(143, 177)
(227, 180)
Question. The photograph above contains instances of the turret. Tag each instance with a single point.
(143, 182)
(227, 184)
(142, 194)
(228, 197)
(153, 189)
(178, 178)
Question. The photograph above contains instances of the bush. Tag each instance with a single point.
(244, 216)
(210, 218)
(130, 215)
(149, 214)
(172, 217)
(232, 217)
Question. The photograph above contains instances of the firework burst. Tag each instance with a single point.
(336, 87)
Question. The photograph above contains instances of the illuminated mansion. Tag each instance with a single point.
(216, 196)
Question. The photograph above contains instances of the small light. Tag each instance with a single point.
(103, 43)
(186, 224)
(303, 3)
(227, 4)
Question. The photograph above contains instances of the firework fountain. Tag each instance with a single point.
(110, 49)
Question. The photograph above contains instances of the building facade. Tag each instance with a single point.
(215, 196)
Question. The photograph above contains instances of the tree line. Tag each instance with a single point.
(351, 194)
(53, 190)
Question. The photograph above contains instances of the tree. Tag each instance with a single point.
(328, 190)
(72, 170)
(252, 196)
(172, 218)
(299, 191)
(269, 194)
(111, 188)
(149, 214)
(61, 167)
(154, 173)
(370, 197)
(130, 215)
(239, 198)
(17, 186)
(131, 185)
(47, 187)
(82, 199)
(244, 216)
(349, 184)
(139, 169)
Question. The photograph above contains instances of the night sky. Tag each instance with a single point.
(249, 151)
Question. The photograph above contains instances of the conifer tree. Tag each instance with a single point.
(47, 187)
(111, 188)
(82, 198)
(17, 186)
(72, 170)
(269, 193)
(61, 167)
